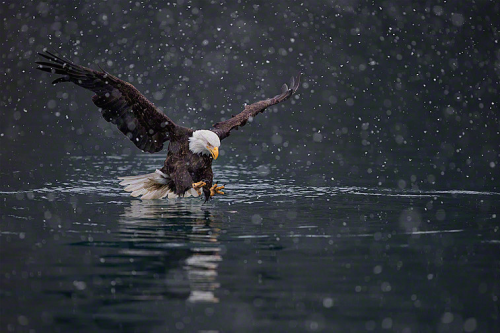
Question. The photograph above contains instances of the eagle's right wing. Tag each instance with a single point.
(223, 128)
(120, 102)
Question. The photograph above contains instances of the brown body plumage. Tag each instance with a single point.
(186, 168)
(122, 104)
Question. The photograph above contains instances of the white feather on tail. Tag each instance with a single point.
(152, 186)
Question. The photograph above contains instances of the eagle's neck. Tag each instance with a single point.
(198, 146)
(198, 143)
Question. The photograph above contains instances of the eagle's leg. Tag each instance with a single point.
(216, 190)
(197, 186)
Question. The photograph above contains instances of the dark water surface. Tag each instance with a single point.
(273, 255)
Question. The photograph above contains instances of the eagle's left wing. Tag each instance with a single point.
(223, 128)
(120, 103)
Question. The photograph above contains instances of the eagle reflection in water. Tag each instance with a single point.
(174, 248)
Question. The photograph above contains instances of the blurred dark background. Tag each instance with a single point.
(398, 94)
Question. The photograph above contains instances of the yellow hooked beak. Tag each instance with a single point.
(214, 151)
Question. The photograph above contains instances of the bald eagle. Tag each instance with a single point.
(188, 167)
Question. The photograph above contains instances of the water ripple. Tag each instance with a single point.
(243, 184)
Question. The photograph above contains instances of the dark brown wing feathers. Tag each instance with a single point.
(120, 102)
(223, 128)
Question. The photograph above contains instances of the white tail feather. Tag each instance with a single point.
(152, 186)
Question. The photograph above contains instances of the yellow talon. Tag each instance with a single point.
(216, 190)
(197, 186)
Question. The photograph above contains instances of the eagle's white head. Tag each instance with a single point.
(205, 142)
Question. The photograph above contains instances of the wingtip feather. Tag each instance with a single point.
(297, 82)
(61, 79)
(284, 88)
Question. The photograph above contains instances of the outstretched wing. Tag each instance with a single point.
(223, 128)
(120, 103)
